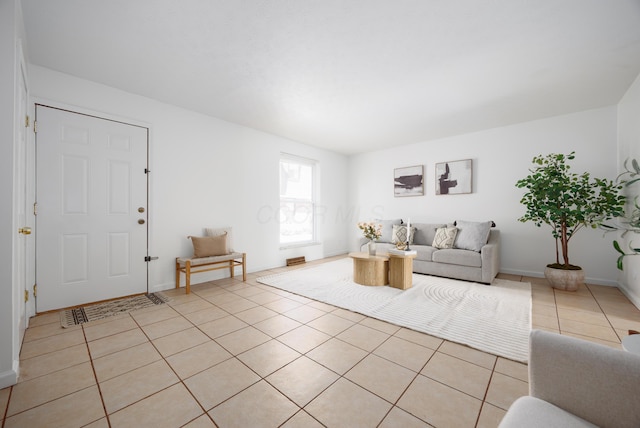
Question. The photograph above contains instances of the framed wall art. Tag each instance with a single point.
(454, 178)
(408, 181)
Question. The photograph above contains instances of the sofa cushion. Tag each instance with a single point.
(445, 237)
(387, 229)
(472, 235)
(457, 257)
(424, 233)
(399, 234)
(530, 412)
(424, 252)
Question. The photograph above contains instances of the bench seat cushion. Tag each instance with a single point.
(208, 260)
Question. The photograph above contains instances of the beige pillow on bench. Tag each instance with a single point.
(209, 246)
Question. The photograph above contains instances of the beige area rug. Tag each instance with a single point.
(69, 317)
(495, 319)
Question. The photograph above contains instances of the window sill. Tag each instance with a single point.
(299, 245)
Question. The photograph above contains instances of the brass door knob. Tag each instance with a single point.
(141, 221)
(25, 230)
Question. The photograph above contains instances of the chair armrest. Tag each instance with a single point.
(490, 257)
(595, 382)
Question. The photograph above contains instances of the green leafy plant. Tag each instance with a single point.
(628, 223)
(566, 201)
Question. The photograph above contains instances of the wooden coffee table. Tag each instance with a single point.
(401, 270)
(370, 270)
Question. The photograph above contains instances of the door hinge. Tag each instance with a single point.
(35, 208)
(148, 258)
(26, 295)
(26, 121)
(35, 126)
(147, 171)
(35, 290)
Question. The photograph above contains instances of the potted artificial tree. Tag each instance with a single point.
(567, 202)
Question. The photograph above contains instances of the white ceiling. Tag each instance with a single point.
(349, 75)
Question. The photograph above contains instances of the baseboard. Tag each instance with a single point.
(9, 377)
(630, 295)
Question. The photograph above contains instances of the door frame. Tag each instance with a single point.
(37, 101)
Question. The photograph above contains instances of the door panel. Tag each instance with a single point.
(91, 179)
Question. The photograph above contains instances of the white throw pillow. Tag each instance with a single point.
(399, 234)
(445, 237)
(472, 235)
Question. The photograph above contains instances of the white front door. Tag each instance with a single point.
(92, 209)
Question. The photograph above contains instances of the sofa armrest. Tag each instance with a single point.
(490, 257)
(595, 382)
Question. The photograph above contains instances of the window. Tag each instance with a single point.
(297, 200)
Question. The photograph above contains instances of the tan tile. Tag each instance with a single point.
(221, 297)
(615, 345)
(544, 321)
(120, 362)
(513, 369)
(404, 353)
(331, 324)
(163, 312)
(193, 306)
(586, 317)
(93, 331)
(577, 303)
(137, 384)
(303, 339)
(322, 306)
(206, 315)
(222, 326)
(242, 340)
(166, 327)
(216, 384)
(196, 359)
(264, 298)
(471, 355)
(277, 325)
(282, 305)
(51, 344)
(76, 409)
(399, 418)
(203, 421)
(117, 342)
(548, 311)
(179, 299)
(268, 408)
(249, 291)
(504, 390)
(597, 331)
(302, 419)
(42, 319)
(255, 315)
(31, 393)
(176, 342)
(302, 380)
(509, 277)
(621, 322)
(490, 416)
(382, 377)
(363, 337)
(346, 404)
(152, 411)
(4, 400)
(439, 405)
(351, 316)
(53, 361)
(268, 357)
(337, 355)
(237, 305)
(304, 314)
(100, 423)
(47, 330)
(461, 375)
(382, 326)
(421, 339)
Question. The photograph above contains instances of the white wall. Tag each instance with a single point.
(629, 148)
(208, 173)
(500, 157)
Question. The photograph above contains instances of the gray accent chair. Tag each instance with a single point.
(575, 383)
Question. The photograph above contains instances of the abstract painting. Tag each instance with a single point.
(408, 181)
(454, 178)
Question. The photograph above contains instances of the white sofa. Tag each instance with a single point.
(478, 266)
(575, 383)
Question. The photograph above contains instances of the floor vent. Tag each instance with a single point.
(295, 261)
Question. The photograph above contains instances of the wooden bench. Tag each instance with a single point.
(191, 265)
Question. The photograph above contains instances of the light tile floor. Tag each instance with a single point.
(248, 355)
